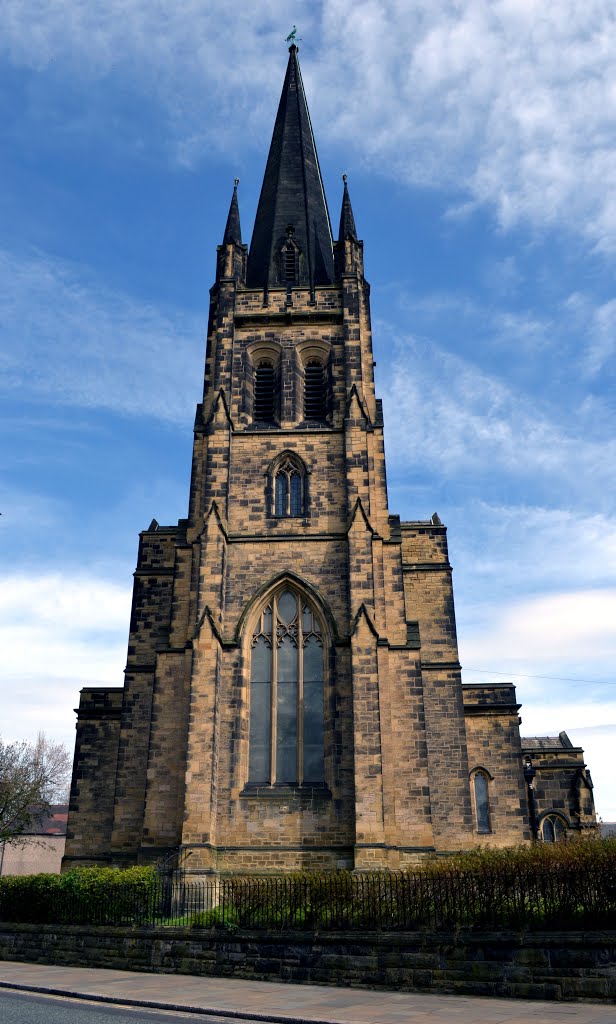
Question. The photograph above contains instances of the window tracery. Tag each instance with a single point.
(553, 828)
(286, 693)
(289, 487)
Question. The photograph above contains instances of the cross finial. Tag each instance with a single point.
(236, 182)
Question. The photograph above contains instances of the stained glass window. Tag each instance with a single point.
(286, 694)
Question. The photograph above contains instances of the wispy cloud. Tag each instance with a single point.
(504, 104)
(75, 342)
(547, 630)
(460, 419)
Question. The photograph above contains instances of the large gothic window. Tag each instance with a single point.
(286, 693)
(265, 387)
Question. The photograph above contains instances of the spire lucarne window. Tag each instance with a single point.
(286, 693)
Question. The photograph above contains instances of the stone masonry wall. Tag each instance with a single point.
(530, 965)
(90, 820)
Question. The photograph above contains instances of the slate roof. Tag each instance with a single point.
(292, 194)
(547, 742)
(51, 824)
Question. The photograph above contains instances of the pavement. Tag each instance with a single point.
(290, 1004)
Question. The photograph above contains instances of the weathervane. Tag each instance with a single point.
(292, 37)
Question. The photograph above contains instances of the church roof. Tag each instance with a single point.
(292, 195)
(559, 742)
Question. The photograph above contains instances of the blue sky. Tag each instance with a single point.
(479, 143)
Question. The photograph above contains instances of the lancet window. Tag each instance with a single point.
(481, 796)
(289, 488)
(286, 693)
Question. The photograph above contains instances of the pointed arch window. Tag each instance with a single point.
(553, 829)
(314, 391)
(286, 693)
(265, 387)
(289, 488)
(481, 800)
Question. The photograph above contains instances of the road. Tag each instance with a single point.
(23, 1008)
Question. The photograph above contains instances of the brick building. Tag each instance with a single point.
(292, 695)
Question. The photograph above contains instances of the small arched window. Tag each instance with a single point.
(289, 488)
(314, 391)
(286, 693)
(553, 828)
(481, 797)
(265, 386)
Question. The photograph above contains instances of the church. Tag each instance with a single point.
(293, 696)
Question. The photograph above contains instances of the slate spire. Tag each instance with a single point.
(233, 230)
(292, 215)
(348, 250)
(347, 220)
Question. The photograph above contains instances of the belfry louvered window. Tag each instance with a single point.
(286, 693)
(265, 386)
(288, 489)
(314, 391)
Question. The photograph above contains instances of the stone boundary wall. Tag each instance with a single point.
(530, 965)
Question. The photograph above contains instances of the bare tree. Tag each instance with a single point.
(32, 776)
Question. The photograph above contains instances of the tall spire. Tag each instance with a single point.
(347, 220)
(233, 230)
(292, 215)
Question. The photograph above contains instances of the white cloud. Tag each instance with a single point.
(506, 103)
(602, 345)
(58, 632)
(78, 343)
(558, 628)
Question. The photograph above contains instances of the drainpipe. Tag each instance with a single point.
(529, 774)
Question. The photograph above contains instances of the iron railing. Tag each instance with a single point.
(534, 896)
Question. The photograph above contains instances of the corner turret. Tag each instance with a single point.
(348, 250)
(232, 254)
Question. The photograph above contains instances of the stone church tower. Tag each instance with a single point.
(293, 697)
